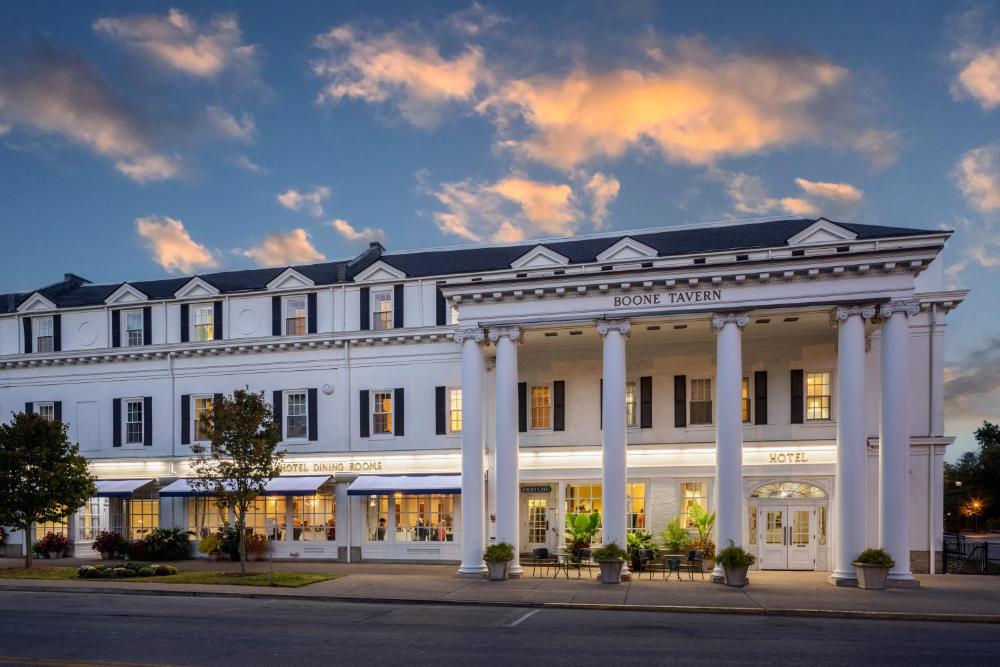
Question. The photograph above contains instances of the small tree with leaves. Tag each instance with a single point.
(241, 459)
(42, 475)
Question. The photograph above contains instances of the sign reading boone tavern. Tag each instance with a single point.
(667, 298)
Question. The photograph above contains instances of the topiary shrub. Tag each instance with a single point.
(499, 553)
(876, 557)
(146, 572)
(165, 570)
(121, 573)
(88, 572)
(167, 543)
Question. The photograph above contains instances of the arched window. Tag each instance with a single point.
(788, 490)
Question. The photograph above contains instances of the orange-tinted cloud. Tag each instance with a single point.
(281, 249)
(978, 177)
(172, 246)
(347, 230)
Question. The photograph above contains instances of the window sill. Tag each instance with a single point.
(295, 441)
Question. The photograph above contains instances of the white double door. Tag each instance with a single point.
(788, 537)
(538, 515)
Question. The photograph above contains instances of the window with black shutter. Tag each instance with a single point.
(278, 404)
(116, 422)
(365, 312)
(147, 325)
(26, 325)
(522, 407)
(275, 315)
(185, 419)
(440, 411)
(363, 415)
(312, 324)
(116, 329)
(313, 414)
(646, 402)
(796, 394)
(397, 305)
(760, 397)
(680, 401)
(442, 308)
(57, 333)
(399, 401)
(559, 405)
(217, 333)
(147, 421)
(185, 323)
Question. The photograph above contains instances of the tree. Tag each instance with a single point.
(975, 477)
(42, 475)
(241, 458)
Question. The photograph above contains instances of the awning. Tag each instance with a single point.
(279, 486)
(120, 488)
(374, 485)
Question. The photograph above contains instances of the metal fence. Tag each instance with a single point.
(962, 556)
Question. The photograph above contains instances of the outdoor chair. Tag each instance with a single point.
(585, 560)
(694, 563)
(666, 564)
(646, 559)
(540, 558)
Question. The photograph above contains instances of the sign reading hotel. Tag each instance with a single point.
(667, 298)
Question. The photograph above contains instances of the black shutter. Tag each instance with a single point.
(29, 408)
(147, 325)
(397, 305)
(313, 414)
(442, 309)
(217, 333)
(559, 405)
(185, 323)
(57, 333)
(796, 394)
(185, 419)
(275, 315)
(440, 411)
(57, 410)
(760, 397)
(522, 407)
(366, 309)
(600, 403)
(680, 401)
(27, 334)
(116, 328)
(216, 401)
(311, 314)
(147, 421)
(646, 401)
(277, 405)
(399, 405)
(364, 422)
(116, 422)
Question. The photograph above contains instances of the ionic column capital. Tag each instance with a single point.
(909, 308)
(621, 326)
(472, 333)
(719, 320)
(842, 313)
(511, 333)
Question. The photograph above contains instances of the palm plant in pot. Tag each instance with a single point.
(580, 531)
(873, 566)
(735, 562)
(611, 559)
(703, 521)
(674, 537)
(638, 542)
(498, 557)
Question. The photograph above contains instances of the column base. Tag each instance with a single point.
(901, 581)
(515, 572)
(843, 579)
(718, 575)
(472, 572)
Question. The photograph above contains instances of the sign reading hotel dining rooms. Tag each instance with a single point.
(294, 467)
(667, 298)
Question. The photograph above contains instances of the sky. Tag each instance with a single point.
(140, 140)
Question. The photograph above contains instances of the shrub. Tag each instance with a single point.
(734, 556)
(167, 543)
(230, 540)
(121, 573)
(580, 530)
(88, 572)
(877, 557)
(675, 537)
(146, 572)
(257, 543)
(110, 543)
(498, 553)
(165, 570)
(609, 552)
(137, 549)
(136, 564)
(210, 544)
(53, 542)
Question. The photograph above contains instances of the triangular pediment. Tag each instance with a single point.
(625, 249)
(125, 294)
(35, 303)
(822, 231)
(290, 279)
(539, 257)
(196, 288)
(379, 271)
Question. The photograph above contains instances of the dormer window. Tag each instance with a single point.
(43, 334)
(382, 309)
(133, 327)
(295, 316)
(204, 321)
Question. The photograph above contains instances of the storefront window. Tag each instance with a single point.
(313, 518)
(266, 516)
(378, 518)
(90, 518)
(142, 515)
(46, 527)
(584, 498)
(425, 518)
(635, 506)
(205, 516)
(692, 493)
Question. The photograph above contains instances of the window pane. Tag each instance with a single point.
(295, 316)
(296, 419)
(266, 516)
(382, 310)
(143, 515)
(204, 320)
(541, 407)
(692, 493)
(377, 515)
(746, 399)
(630, 399)
(455, 411)
(133, 328)
(584, 497)
(202, 409)
(382, 412)
(701, 401)
(43, 335)
(46, 411)
(635, 506)
(205, 516)
(817, 396)
(425, 518)
(133, 422)
(314, 518)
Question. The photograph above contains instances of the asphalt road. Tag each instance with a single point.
(62, 628)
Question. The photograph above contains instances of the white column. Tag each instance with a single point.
(728, 432)
(852, 445)
(894, 440)
(473, 489)
(613, 454)
(508, 528)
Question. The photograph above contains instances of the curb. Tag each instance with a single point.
(679, 609)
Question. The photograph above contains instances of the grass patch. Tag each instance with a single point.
(281, 579)
(43, 572)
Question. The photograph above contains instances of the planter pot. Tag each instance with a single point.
(55, 554)
(736, 576)
(611, 571)
(497, 570)
(871, 577)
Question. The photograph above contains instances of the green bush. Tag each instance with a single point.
(734, 556)
(580, 530)
(121, 573)
(210, 544)
(88, 572)
(498, 553)
(110, 543)
(167, 543)
(674, 537)
(877, 557)
(146, 572)
(609, 552)
(165, 570)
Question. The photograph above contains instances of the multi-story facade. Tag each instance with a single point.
(787, 375)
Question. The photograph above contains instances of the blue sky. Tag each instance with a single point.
(139, 139)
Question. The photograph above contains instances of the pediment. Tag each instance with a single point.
(379, 271)
(196, 288)
(539, 257)
(625, 249)
(290, 279)
(125, 294)
(35, 303)
(822, 231)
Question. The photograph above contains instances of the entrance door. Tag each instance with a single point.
(534, 522)
(774, 554)
(787, 540)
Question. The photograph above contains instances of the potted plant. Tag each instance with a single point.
(257, 546)
(230, 535)
(735, 562)
(53, 545)
(703, 522)
(498, 557)
(167, 543)
(611, 559)
(580, 531)
(674, 537)
(637, 542)
(109, 544)
(211, 545)
(873, 566)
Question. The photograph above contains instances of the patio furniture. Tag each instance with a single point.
(646, 556)
(695, 563)
(667, 564)
(540, 558)
(564, 563)
(585, 560)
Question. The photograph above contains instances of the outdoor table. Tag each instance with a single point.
(563, 564)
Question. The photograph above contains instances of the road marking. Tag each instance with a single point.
(522, 618)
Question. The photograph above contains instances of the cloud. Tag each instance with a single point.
(976, 55)
(60, 93)
(749, 195)
(311, 201)
(880, 147)
(977, 175)
(980, 79)
(547, 206)
(228, 126)
(172, 247)
(838, 193)
(179, 43)
(394, 67)
(972, 384)
(346, 230)
(282, 249)
(603, 189)
(245, 162)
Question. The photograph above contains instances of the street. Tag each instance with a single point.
(61, 628)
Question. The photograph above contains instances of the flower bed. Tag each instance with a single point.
(127, 570)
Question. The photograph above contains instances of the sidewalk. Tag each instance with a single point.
(940, 597)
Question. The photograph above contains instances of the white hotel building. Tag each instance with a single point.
(788, 375)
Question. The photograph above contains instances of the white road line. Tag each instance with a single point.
(522, 618)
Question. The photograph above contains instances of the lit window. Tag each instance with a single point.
(541, 407)
(425, 518)
(295, 316)
(90, 518)
(46, 411)
(314, 518)
(692, 493)
(701, 401)
(43, 334)
(266, 516)
(143, 515)
(202, 409)
(133, 328)
(817, 396)
(745, 402)
(455, 410)
(821, 527)
(205, 516)
(295, 419)
(204, 322)
(584, 498)
(631, 397)
(635, 506)
(133, 422)
(378, 518)
(382, 412)
(382, 310)
(43, 528)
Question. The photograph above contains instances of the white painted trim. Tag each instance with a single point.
(36, 303)
(626, 249)
(290, 279)
(196, 288)
(822, 231)
(379, 271)
(126, 295)
(539, 257)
